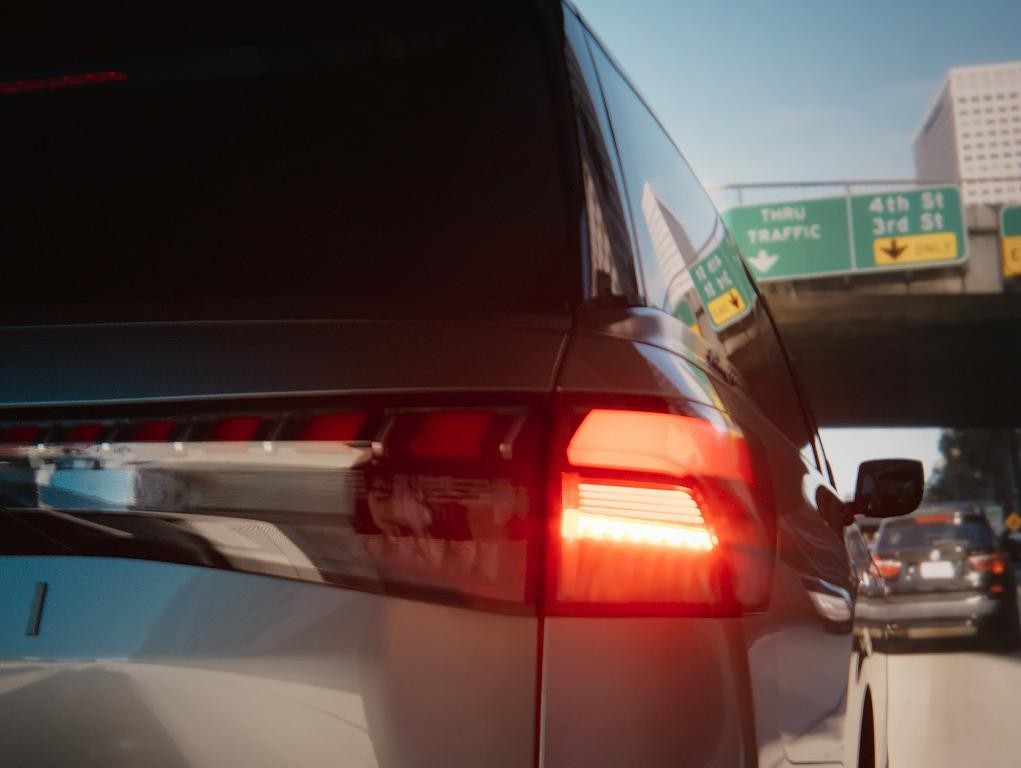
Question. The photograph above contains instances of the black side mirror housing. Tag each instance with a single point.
(888, 487)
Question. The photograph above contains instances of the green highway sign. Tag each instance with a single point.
(786, 240)
(722, 285)
(906, 229)
(1010, 240)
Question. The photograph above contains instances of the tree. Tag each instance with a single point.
(978, 465)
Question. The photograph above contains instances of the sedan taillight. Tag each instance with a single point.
(888, 569)
(994, 563)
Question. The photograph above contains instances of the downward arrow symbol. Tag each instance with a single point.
(763, 261)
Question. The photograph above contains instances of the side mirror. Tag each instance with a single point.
(888, 487)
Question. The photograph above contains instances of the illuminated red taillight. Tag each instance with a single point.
(995, 563)
(657, 515)
(661, 443)
(888, 569)
(634, 513)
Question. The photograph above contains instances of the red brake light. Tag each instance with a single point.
(634, 513)
(657, 516)
(934, 518)
(663, 443)
(888, 569)
(61, 81)
(995, 563)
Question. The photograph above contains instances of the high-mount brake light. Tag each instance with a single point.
(60, 82)
(933, 519)
(656, 517)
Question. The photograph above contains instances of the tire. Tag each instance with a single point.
(1009, 640)
(867, 736)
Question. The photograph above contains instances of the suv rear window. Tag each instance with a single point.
(921, 533)
(371, 165)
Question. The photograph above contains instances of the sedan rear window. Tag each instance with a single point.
(910, 534)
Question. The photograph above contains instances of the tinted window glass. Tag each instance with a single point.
(682, 241)
(612, 267)
(381, 165)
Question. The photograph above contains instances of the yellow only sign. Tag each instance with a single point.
(935, 246)
(1013, 521)
(725, 306)
(1011, 248)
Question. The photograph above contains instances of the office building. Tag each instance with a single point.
(972, 133)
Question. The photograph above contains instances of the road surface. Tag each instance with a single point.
(954, 710)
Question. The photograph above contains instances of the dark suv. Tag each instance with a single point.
(379, 386)
(946, 577)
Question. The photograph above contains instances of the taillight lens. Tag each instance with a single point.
(888, 569)
(657, 515)
(644, 512)
(634, 513)
(995, 563)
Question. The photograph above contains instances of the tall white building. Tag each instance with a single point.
(972, 130)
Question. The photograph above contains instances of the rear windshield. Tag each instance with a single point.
(914, 535)
(369, 165)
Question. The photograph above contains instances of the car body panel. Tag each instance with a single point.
(164, 664)
(799, 714)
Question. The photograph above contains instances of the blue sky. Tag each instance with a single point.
(791, 90)
(794, 90)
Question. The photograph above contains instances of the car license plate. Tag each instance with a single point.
(939, 569)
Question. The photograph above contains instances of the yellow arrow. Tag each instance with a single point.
(911, 249)
(726, 306)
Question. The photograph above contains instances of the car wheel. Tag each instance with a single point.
(867, 737)
(1010, 637)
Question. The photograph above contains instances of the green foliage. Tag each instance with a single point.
(976, 467)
